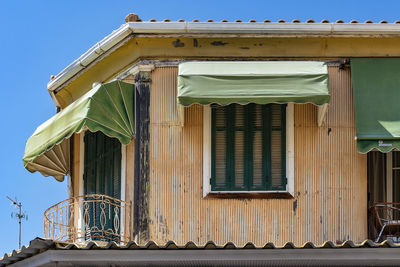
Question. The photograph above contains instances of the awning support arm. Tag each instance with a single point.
(321, 114)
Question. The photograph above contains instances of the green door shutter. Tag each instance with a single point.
(102, 175)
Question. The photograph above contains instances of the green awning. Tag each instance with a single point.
(376, 85)
(253, 82)
(108, 108)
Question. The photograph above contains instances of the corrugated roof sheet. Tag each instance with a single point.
(40, 245)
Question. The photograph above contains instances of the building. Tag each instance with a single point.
(240, 133)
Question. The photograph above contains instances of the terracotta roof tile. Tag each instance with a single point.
(135, 18)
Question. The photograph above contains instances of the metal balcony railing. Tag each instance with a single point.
(91, 217)
(385, 221)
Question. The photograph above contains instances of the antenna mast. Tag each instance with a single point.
(20, 215)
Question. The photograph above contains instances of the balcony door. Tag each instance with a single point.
(383, 177)
(384, 195)
(102, 176)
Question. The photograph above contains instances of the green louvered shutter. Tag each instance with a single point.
(102, 174)
(248, 147)
(278, 147)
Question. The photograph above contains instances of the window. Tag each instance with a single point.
(248, 148)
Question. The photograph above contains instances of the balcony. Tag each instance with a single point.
(88, 218)
(384, 222)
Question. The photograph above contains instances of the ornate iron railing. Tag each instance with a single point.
(91, 217)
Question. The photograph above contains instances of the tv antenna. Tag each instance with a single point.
(20, 215)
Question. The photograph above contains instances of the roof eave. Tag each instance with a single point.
(222, 28)
(89, 56)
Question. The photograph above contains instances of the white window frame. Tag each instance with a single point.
(207, 154)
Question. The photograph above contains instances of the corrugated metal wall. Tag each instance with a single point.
(330, 177)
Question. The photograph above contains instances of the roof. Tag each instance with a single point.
(41, 252)
(134, 27)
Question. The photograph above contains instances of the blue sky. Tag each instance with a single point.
(38, 39)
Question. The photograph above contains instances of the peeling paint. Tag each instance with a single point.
(178, 43)
(219, 43)
(244, 47)
(141, 179)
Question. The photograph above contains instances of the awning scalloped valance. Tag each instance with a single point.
(259, 82)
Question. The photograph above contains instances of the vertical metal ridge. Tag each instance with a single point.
(330, 178)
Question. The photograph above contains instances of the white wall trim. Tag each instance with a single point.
(289, 152)
(206, 150)
(389, 177)
(81, 161)
(123, 171)
(290, 148)
(80, 180)
(123, 186)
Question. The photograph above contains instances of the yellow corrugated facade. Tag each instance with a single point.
(330, 177)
